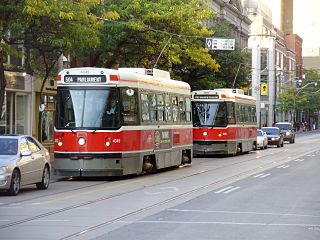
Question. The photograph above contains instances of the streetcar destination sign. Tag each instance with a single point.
(206, 96)
(85, 79)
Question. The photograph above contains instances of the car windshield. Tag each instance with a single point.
(8, 146)
(284, 126)
(271, 131)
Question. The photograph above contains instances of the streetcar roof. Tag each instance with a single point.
(131, 77)
(223, 94)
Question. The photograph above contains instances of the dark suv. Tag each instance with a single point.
(287, 130)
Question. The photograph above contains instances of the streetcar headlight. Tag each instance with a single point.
(59, 144)
(108, 141)
(205, 134)
(81, 141)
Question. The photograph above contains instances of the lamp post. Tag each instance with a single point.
(296, 94)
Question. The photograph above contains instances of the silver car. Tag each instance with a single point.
(23, 161)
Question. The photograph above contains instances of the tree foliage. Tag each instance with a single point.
(57, 27)
(230, 62)
(144, 29)
(304, 97)
(12, 25)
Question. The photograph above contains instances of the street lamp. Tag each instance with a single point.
(296, 94)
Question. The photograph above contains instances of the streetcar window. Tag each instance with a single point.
(129, 105)
(182, 109)
(153, 107)
(175, 109)
(221, 117)
(87, 108)
(188, 109)
(209, 114)
(145, 107)
(231, 113)
(160, 108)
(168, 109)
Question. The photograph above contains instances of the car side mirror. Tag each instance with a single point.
(26, 153)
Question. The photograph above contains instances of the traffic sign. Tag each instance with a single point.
(220, 44)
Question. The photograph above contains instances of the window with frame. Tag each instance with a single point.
(231, 113)
(33, 145)
(160, 108)
(153, 107)
(24, 145)
(168, 109)
(129, 106)
(145, 116)
(182, 109)
(47, 117)
(188, 109)
(175, 108)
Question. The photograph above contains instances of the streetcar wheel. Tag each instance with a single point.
(45, 181)
(15, 183)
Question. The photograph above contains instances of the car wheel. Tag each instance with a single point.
(15, 183)
(44, 184)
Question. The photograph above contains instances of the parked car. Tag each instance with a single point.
(262, 139)
(23, 161)
(287, 130)
(275, 137)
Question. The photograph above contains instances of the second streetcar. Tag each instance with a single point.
(224, 122)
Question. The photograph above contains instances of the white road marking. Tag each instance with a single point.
(231, 190)
(235, 223)
(259, 175)
(284, 166)
(299, 160)
(250, 213)
(265, 175)
(224, 189)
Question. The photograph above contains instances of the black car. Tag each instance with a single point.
(287, 129)
(275, 137)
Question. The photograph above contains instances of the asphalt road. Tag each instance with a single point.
(282, 203)
(267, 194)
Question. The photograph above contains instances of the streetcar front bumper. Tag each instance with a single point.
(86, 165)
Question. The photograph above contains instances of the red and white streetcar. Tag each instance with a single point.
(224, 122)
(118, 122)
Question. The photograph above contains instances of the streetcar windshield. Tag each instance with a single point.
(87, 108)
(209, 114)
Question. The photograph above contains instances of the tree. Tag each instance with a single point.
(12, 25)
(57, 27)
(148, 33)
(306, 98)
(230, 62)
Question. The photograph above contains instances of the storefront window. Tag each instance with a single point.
(47, 119)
